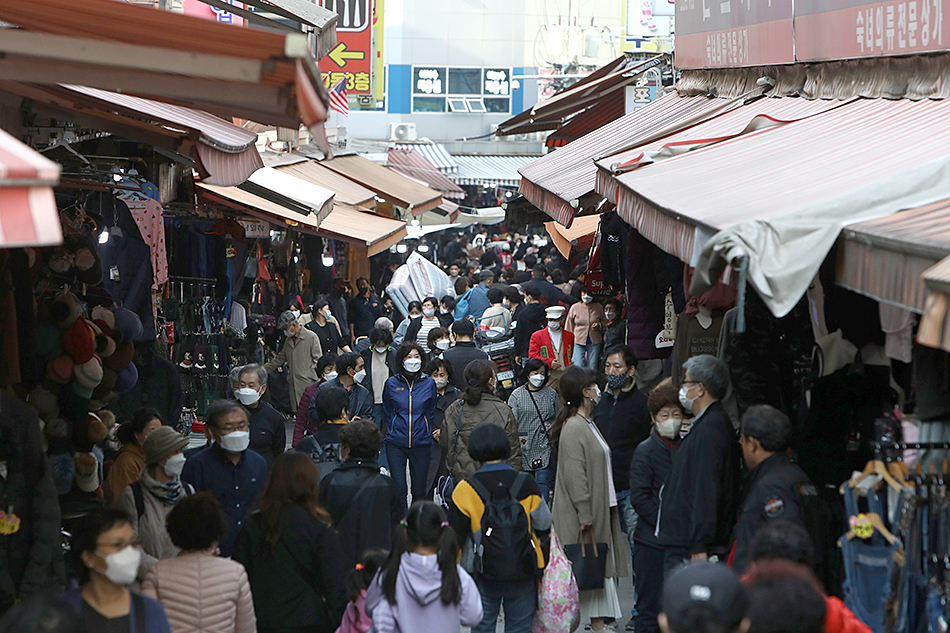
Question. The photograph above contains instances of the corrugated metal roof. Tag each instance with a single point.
(565, 175)
(412, 164)
(389, 185)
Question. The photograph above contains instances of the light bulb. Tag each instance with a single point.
(415, 222)
(104, 236)
(327, 261)
(423, 248)
(401, 248)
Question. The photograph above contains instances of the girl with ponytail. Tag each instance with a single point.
(421, 587)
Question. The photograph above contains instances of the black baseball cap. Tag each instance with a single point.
(707, 593)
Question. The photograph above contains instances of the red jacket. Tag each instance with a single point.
(541, 347)
(839, 619)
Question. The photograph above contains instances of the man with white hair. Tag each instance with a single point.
(268, 433)
(699, 502)
(301, 351)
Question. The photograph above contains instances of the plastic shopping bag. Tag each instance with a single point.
(559, 606)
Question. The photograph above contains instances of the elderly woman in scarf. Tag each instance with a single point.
(149, 500)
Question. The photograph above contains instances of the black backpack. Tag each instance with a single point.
(504, 549)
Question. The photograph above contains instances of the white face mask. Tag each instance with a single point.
(443, 310)
(536, 379)
(441, 382)
(330, 375)
(289, 333)
(123, 566)
(610, 314)
(174, 465)
(506, 304)
(554, 326)
(381, 350)
(442, 344)
(247, 396)
(670, 429)
(412, 365)
(597, 396)
(587, 298)
(296, 313)
(360, 375)
(685, 400)
(236, 441)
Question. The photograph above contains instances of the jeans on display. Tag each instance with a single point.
(544, 479)
(381, 423)
(519, 599)
(586, 355)
(867, 585)
(418, 459)
(648, 583)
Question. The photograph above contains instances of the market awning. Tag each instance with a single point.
(581, 233)
(886, 258)
(387, 184)
(560, 182)
(934, 329)
(288, 191)
(435, 153)
(224, 154)
(350, 224)
(413, 164)
(491, 171)
(608, 109)
(312, 17)
(258, 207)
(28, 213)
(520, 212)
(780, 197)
(227, 70)
(550, 114)
(347, 191)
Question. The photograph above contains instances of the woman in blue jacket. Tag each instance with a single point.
(409, 405)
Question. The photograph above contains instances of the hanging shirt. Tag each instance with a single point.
(149, 217)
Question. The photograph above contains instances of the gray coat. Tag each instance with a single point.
(301, 353)
(581, 494)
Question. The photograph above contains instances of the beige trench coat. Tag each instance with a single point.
(581, 494)
(301, 353)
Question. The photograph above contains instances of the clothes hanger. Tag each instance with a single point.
(876, 467)
(63, 144)
(878, 524)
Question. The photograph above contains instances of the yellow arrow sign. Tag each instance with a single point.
(339, 55)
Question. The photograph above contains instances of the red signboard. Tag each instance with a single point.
(843, 29)
(729, 33)
(352, 57)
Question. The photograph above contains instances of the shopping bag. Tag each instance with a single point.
(588, 561)
(559, 606)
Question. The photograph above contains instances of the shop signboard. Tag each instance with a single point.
(255, 228)
(732, 33)
(199, 9)
(845, 29)
(353, 56)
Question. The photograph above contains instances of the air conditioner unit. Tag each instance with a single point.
(402, 131)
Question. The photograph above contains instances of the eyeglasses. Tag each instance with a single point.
(231, 429)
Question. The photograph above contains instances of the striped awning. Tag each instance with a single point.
(410, 162)
(360, 226)
(28, 214)
(934, 330)
(886, 258)
(557, 182)
(388, 185)
(609, 108)
(488, 171)
(280, 213)
(435, 153)
(780, 197)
